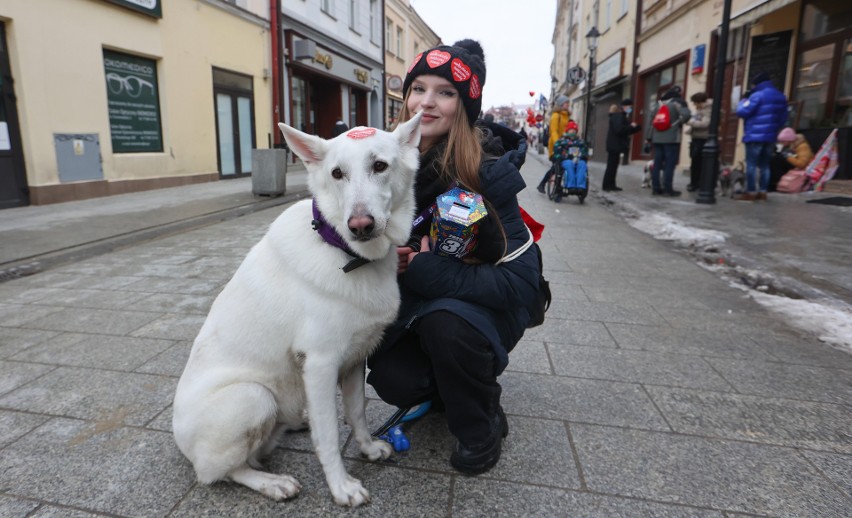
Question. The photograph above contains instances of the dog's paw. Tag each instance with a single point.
(375, 450)
(351, 493)
(280, 487)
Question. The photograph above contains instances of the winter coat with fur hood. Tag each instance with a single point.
(490, 297)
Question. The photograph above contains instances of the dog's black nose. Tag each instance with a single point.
(362, 226)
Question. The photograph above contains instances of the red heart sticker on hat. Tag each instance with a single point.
(461, 72)
(475, 88)
(416, 60)
(361, 132)
(437, 58)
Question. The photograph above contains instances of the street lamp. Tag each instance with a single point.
(592, 43)
(710, 153)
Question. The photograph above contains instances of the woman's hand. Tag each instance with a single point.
(406, 254)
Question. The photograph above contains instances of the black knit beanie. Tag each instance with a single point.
(462, 64)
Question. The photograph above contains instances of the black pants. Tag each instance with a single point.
(442, 356)
(696, 148)
(550, 172)
(778, 167)
(612, 160)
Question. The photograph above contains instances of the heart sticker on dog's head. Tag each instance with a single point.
(358, 133)
(437, 58)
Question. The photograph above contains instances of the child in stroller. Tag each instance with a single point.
(570, 154)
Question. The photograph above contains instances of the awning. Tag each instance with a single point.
(757, 11)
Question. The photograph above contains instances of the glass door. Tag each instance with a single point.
(234, 122)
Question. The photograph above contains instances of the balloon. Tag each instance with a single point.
(532, 93)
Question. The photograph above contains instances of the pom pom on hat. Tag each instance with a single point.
(571, 126)
(462, 64)
(787, 135)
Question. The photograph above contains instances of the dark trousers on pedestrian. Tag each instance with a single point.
(696, 149)
(665, 160)
(778, 167)
(612, 161)
(550, 172)
(445, 357)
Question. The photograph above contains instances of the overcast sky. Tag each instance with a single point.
(515, 35)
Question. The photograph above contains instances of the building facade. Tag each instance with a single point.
(333, 64)
(406, 35)
(108, 110)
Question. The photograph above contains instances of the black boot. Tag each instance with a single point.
(481, 458)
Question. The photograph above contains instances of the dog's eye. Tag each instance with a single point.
(336, 173)
(379, 166)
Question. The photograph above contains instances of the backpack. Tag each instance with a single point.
(663, 118)
(542, 301)
(793, 181)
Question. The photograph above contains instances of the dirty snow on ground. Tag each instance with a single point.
(664, 227)
(829, 320)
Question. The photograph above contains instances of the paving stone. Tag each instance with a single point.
(784, 380)
(394, 492)
(165, 285)
(170, 362)
(624, 313)
(16, 374)
(479, 496)
(98, 299)
(17, 315)
(560, 292)
(13, 341)
(686, 341)
(14, 425)
(172, 327)
(836, 467)
(162, 422)
(124, 471)
(748, 322)
(804, 351)
(557, 330)
(11, 507)
(818, 426)
(106, 396)
(173, 303)
(70, 281)
(708, 473)
(15, 293)
(635, 366)
(95, 351)
(49, 511)
(529, 356)
(84, 320)
(588, 401)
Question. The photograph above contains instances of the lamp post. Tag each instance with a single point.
(592, 43)
(710, 153)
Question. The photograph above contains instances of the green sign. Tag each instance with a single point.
(149, 7)
(134, 105)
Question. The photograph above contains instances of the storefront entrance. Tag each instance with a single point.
(13, 176)
(234, 122)
(651, 86)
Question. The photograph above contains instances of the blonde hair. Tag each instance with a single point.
(613, 108)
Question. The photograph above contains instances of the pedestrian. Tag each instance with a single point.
(671, 113)
(698, 128)
(523, 133)
(764, 112)
(340, 128)
(571, 154)
(795, 153)
(618, 140)
(558, 124)
(452, 336)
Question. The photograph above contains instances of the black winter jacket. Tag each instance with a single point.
(492, 298)
(618, 133)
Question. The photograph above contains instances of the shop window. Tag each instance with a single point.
(394, 107)
(133, 100)
(843, 106)
(823, 17)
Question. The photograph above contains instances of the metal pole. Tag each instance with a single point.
(589, 96)
(710, 153)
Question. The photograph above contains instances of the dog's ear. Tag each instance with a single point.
(408, 132)
(308, 147)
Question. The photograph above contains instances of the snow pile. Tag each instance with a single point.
(664, 227)
(831, 324)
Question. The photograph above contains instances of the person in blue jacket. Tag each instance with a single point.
(764, 113)
(460, 318)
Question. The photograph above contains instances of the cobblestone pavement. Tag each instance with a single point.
(652, 389)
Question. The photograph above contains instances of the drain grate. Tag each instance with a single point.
(840, 201)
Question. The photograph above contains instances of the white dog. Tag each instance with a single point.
(292, 323)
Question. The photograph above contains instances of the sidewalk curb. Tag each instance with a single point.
(42, 262)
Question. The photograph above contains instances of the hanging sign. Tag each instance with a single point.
(698, 58)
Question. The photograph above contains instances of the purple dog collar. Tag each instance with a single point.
(330, 236)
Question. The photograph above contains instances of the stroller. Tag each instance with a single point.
(570, 178)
